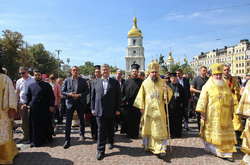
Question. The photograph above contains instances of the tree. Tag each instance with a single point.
(113, 69)
(44, 60)
(87, 69)
(175, 66)
(14, 52)
(11, 45)
(186, 67)
(26, 58)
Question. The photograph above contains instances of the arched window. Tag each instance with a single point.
(134, 42)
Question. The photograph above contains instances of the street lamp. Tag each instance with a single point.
(58, 53)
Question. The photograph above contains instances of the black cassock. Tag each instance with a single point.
(131, 114)
(39, 97)
(175, 109)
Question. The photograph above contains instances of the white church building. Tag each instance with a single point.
(135, 49)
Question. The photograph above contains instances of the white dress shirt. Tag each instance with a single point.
(105, 85)
(22, 87)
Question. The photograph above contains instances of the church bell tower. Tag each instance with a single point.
(135, 50)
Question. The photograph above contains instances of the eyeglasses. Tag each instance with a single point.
(22, 72)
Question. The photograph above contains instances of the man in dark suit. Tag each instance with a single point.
(120, 119)
(184, 82)
(105, 102)
(75, 89)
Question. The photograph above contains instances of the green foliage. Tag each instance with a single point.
(11, 44)
(186, 67)
(174, 67)
(44, 60)
(87, 69)
(113, 69)
(15, 52)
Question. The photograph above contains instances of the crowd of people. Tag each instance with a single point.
(145, 105)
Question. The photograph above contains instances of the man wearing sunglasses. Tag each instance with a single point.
(21, 90)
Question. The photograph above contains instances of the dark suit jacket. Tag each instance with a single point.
(122, 84)
(82, 89)
(186, 90)
(105, 105)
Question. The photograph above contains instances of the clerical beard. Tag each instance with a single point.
(154, 79)
(219, 82)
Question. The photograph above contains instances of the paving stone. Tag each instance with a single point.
(185, 151)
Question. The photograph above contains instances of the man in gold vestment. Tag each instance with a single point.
(244, 111)
(216, 107)
(151, 99)
(8, 105)
(233, 84)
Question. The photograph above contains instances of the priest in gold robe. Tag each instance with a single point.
(8, 106)
(151, 100)
(244, 111)
(216, 107)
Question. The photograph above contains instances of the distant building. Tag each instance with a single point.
(169, 62)
(237, 56)
(135, 49)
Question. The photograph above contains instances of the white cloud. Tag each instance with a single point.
(213, 17)
(180, 16)
(87, 44)
(195, 14)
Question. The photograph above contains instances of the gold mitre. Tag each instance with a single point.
(154, 66)
(216, 68)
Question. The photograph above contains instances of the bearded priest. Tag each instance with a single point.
(151, 100)
(217, 107)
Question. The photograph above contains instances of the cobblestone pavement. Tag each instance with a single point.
(185, 151)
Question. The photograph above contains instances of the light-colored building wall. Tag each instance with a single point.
(233, 55)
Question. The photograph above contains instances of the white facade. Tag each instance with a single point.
(135, 53)
(235, 56)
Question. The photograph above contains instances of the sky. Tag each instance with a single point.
(96, 30)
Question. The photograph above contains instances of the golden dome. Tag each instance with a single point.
(134, 31)
(170, 57)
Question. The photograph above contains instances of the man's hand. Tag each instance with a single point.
(77, 95)
(117, 113)
(12, 113)
(142, 110)
(203, 117)
(70, 94)
(51, 109)
(93, 113)
(74, 95)
(24, 107)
